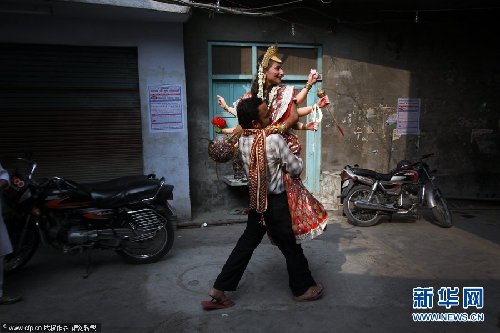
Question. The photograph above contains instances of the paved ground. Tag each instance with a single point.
(368, 274)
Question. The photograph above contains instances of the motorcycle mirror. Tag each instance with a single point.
(33, 167)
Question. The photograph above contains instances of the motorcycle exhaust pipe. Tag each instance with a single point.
(80, 237)
(373, 206)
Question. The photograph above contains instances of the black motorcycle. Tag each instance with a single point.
(367, 195)
(130, 215)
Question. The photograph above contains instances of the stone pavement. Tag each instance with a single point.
(368, 274)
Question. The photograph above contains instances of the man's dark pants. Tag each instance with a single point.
(279, 225)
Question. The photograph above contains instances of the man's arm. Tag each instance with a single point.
(292, 163)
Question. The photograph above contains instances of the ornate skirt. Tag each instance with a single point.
(309, 217)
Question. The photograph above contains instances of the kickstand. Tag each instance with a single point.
(87, 266)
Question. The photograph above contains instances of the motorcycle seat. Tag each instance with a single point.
(372, 174)
(120, 191)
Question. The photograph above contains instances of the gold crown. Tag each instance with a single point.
(271, 54)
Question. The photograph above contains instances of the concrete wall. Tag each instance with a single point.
(455, 74)
(160, 57)
(366, 68)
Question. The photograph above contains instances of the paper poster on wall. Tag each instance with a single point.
(165, 108)
(408, 116)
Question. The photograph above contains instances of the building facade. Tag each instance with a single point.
(370, 71)
(79, 81)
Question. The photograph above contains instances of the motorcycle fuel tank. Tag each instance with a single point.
(405, 176)
(65, 201)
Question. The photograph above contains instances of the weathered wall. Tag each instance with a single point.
(366, 68)
(160, 59)
(454, 73)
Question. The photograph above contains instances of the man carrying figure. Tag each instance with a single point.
(265, 157)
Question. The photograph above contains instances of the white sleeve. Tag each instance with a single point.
(4, 174)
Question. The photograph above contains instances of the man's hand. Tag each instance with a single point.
(283, 167)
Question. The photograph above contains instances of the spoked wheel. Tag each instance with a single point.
(357, 216)
(441, 212)
(153, 238)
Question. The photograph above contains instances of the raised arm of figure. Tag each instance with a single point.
(311, 80)
(228, 130)
(222, 103)
(310, 126)
(304, 111)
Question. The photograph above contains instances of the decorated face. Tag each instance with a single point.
(274, 73)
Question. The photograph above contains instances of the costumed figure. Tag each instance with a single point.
(309, 217)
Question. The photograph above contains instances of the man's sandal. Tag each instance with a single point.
(215, 303)
(312, 294)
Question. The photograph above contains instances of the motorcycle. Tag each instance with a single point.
(367, 195)
(130, 215)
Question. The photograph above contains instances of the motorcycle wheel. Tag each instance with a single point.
(25, 240)
(441, 212)
(152, 249)
(356, 216)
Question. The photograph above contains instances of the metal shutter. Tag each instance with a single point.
(76, 109)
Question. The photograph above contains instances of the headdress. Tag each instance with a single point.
(271, 54)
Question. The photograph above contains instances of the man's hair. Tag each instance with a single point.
(248, 110)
